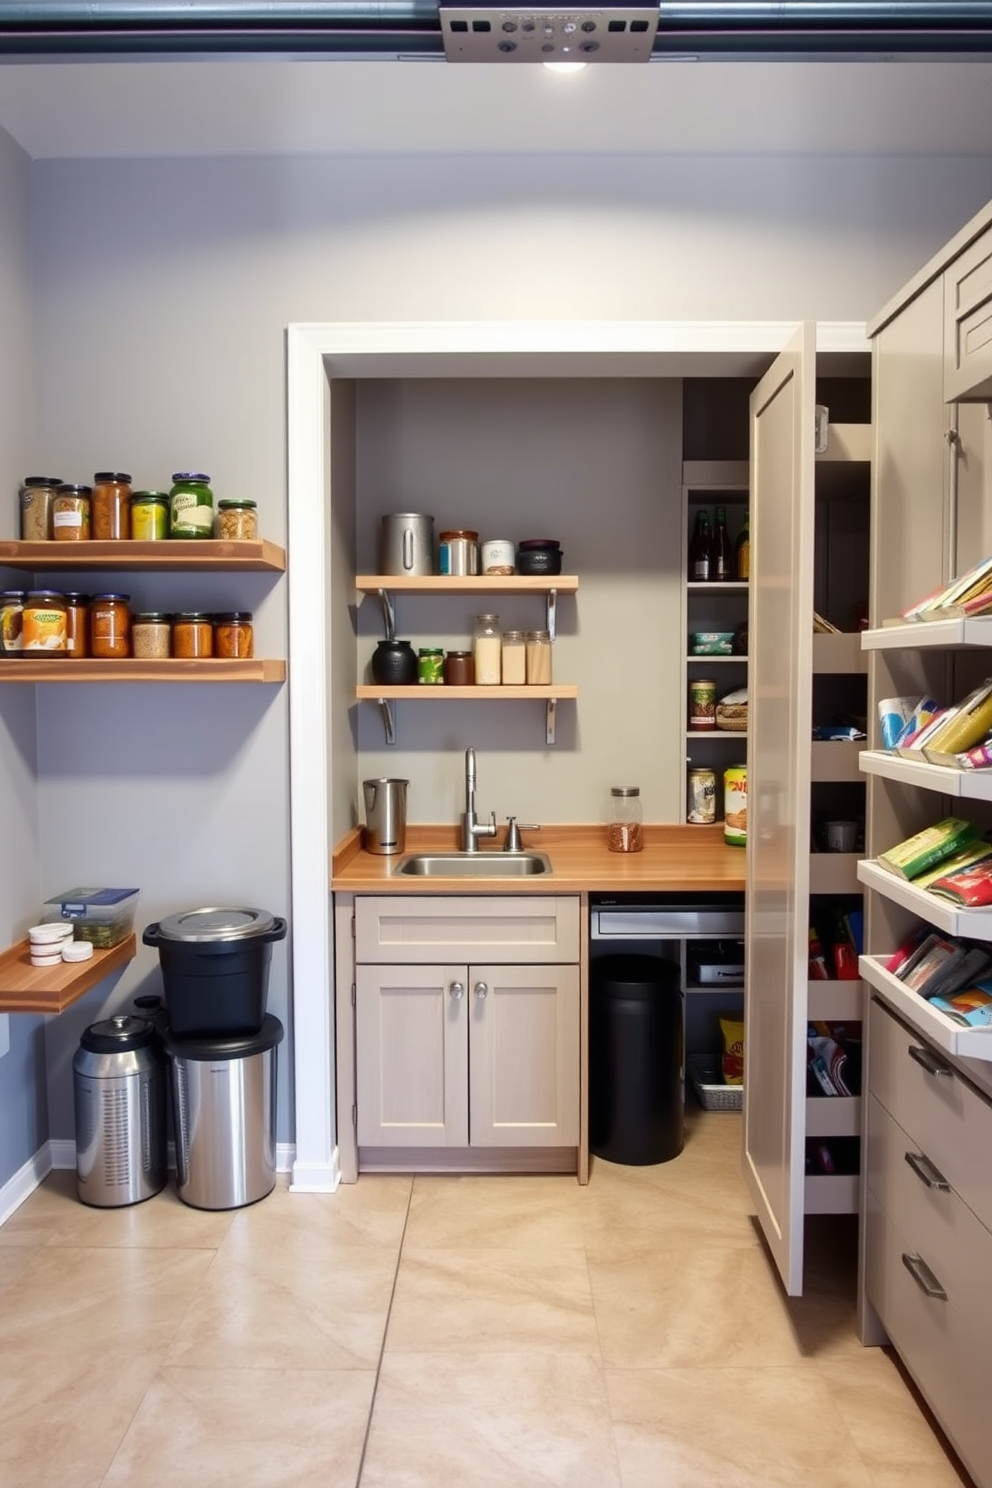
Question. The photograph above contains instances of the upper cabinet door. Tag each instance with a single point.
(780, 709)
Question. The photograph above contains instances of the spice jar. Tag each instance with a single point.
(430, 665)
(487, 649)
(514, 658)
(151, 635)
(149, 516)
(458, 552)
(538, 643)
(110, 516)
(11, 622)
(626, 816)
(192, 635)
(110, 626)
(459, 669)
(77, 627)
(191, 505)
(71, 513)
(37, 495)
(237, 520)
(43, 623)
(233, 635)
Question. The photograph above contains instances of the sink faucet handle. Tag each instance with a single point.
(513, 830)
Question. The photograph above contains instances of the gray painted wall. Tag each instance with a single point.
(162, 291)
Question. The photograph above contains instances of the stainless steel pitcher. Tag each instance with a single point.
(385, 815)
(407, 544)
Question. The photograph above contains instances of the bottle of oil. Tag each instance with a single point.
(722, 564)
(700, 556)
(742, 555)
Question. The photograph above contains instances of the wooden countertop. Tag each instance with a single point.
(673, 858)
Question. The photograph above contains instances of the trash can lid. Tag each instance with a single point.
(117, 1035)
(227, 1045)
(216, 923)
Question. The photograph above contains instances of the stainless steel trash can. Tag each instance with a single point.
(119, 1097)
(224, 1116)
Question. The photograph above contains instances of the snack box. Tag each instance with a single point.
(104, 917)
(712, 643)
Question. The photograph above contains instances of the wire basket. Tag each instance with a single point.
(713, 1094)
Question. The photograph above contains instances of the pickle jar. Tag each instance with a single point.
(77, 630)
(11, 622)
(110, 626)
(191, 505)
(237, 520)
(44, 622)
(149, 516)
(151, 635)
(71, 513)
(192, 635)
(233, 635)
(110, 511)
(430, 665)
(37, 495)
(625, 817)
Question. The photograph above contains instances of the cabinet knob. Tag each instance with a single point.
(457, 990)
(481, 989)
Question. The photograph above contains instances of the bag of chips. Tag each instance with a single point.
(732, 1060)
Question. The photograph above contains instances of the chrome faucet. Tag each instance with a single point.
(471, 829)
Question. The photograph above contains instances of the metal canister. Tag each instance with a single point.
(701, 803)
(458, 552)
(119, 1097)
(702, 704)
(735, 805)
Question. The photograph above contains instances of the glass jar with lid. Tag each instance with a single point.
(234, 635)
(43, 625)
(430, 665)
(625, 830)
(191, 505)
(149, 516)
(538, 643)
(77, 631)
(151, 635)
(110, 511)
(514, 658)
(71, 513)
(110, 626)
(11, 622)
(37, 495)
(487, 649)
(192, 635)
(237, 520)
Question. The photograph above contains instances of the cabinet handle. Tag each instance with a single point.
(457, 990)
(953, 444)
(481, 989)
(924, 1277)
(929, 1061)
(926, 1172)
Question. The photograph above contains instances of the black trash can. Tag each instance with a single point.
(635, 1060)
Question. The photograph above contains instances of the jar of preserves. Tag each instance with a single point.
(234, 635)
(149, 516)
(625, 820)
(77, 629)
(514, 658)
(538, 643)
(11, 622)
(44, 622)
(71, 513)
(110, 513)
(237, 520)
(191, 505)
(151, 635)
(430, 665)
(487, 651)
(192, 635)
(459, 669)
(110, 626)
(37, 495)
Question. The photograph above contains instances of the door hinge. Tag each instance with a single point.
(354, 1002)
(354, 1114)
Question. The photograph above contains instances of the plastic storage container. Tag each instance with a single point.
(215, 968)
(103, 916)
(635, 1060)
(119, 1097)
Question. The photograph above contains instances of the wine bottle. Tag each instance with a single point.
(743, 551)
(721, 565)
(700, 557)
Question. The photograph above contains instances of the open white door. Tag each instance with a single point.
(780, 709)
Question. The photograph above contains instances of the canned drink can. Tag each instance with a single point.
(702, 704)
(701, 806)
(735, 806)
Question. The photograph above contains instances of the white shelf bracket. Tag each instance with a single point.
(549, 727)
(552, 610)
(388, 617)
(388, 718)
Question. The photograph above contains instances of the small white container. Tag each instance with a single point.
(47, 958)
(49, 935)
(497, 556)
(77, 950)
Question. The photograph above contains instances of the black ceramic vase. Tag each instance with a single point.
(394, 663)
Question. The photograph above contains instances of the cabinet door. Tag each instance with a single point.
(968, 324)
(780, 703)
(524, 1056)
(412, 1056)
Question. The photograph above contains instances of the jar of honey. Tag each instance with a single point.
(110, 626)
(233, 634)
(77, 633)
(110, 506)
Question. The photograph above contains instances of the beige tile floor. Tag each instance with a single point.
(419, 1333)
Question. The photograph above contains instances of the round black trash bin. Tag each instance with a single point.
(635, 1060)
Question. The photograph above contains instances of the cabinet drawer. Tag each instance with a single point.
(942, 1114)
(934, 1221)
(503, 928)
(968, 324)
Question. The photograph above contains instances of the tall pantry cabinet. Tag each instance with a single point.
(926, 1188)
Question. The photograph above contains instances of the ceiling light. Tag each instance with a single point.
(607, 31)
(566, 66)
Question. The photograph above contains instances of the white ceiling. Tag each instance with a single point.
(347, 107)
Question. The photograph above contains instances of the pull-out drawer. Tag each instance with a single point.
(934, 1105)
(968, 324)
(526, 929)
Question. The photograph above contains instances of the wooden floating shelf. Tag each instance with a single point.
(51, 989)
(438, 692)
(176, 554)
(467, 583)
(210, 669)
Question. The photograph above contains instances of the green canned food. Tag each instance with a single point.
(191, 505)
(430, 665)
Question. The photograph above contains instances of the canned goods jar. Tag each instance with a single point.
(701, 804)
(459, 669)
(496, 556)
(237, 520)
(514, 658)
(151, 635)
(538, 646)
(110, 626)
(77, 626)
(430, 665)
(110, 515)
(191, 505)
(458, 552)
(71, 513)
(149, 516)
(735, 806)
(11, 622)
(192, 635)
(37, 495)
(233, 635)
(44, 621)
(702, 704)
(626, 817)
(487, 650)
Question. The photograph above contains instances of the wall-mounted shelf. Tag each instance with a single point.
(728, 734)
(717, 586)
(972, 785)
(51, 989)
(943, 914)
(938, 1028)
(63, 669)
(240, 557)
(949, 635)
(693, 659)
(386, 696)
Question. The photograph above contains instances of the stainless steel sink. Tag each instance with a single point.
(473, 865)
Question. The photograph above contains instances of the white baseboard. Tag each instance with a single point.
(63, 1152)
(25, 1181)
(316, 1177)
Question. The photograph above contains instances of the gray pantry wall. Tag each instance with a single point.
(161, 292)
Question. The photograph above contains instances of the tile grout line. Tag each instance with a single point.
(382, 1346)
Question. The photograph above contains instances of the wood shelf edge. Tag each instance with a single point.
(370, 691)
(467, 583)
(41, 989)
(64, 670)
(258, 555)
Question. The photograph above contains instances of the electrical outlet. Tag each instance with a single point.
(4, 1034)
